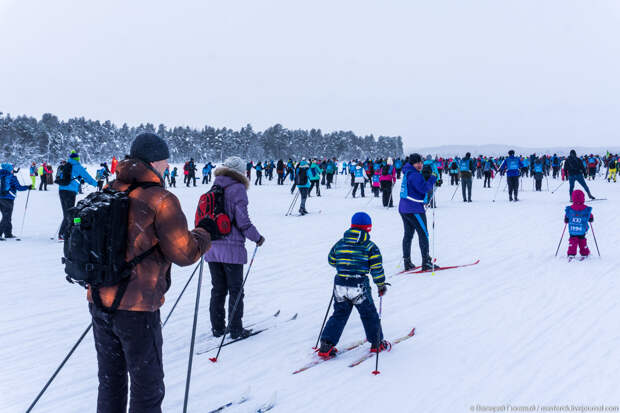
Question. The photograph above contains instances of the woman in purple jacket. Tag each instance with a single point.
(228, 255)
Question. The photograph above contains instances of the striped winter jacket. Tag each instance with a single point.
(354, 256)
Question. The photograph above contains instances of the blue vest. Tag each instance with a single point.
(512, 164)
(465, 163)
(359, 172)
(578, 221)
(538, 168)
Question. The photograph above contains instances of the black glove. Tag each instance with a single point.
(210, 226)
(590, 219)
(260, 241)
(565, 220)
(439, 182)
(382, 290)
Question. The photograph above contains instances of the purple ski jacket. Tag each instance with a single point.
(231, 248)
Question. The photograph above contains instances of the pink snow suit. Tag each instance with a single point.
(578, 240)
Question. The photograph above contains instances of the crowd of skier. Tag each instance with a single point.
(223, 225)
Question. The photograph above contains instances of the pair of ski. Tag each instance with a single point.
(270, 404)
(420, 270)
(582, 258)
(352, 347)
(262, 325)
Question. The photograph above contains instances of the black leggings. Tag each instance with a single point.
(415, 223)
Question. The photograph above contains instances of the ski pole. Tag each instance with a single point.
(292, 205)
(59, 368)
(434, 208)
(181, 294)
(21, 232)
(316, 346)
(376, 371)
(455, 189)
(499, 184)
(595, 242)
(560, 243)
(232, 314)
(563, 182)
(191, 346)
(349, 193)
(547, 179)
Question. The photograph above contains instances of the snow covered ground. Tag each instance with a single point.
(520, 328)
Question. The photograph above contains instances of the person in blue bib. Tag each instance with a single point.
(538, 170)
(512, 165)
(577, 217)
(466, 168)
(414, 189)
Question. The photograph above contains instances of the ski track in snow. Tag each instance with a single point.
(521, 327)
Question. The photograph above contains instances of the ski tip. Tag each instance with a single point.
(376, 372)
(213, 359)
(294, 317)
(412, 332)
(277, 313)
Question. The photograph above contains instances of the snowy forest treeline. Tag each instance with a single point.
(25, 139)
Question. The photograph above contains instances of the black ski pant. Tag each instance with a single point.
(487, 179)
(330, 180)
(43, 183)
(398, 171)
(6, 208)
(454, 179)
(303, 194)
(538, 177)
(386, 190)
(226, 279)
(361, 186)
(571, 183)
(415, 223)
(128, 342)
(513, 187)
(205, 179)
(259, 178)
(67, 201)
(315, 184)
(556, 171)
(466, 183)
(280, 178)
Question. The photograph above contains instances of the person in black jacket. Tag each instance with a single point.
(575, 170)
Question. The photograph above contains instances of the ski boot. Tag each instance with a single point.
(427, 265)
(383, 346)
(218, 332)
(327, 350)
(408, 264)
(240, 334)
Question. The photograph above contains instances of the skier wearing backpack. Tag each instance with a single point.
(411, 208)
(128, 339)
(388, 179)
(575, 170)
(302, 183)
(314, 174)
(9, 185)
(69, 177)
(577, 216)
(354, 256)
(228, 254)
(466, 168)
(538, 170)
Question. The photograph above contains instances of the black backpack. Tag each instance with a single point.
(63, 175)
(386, 170)
(302, 176)
(96, 245)
(612, 164)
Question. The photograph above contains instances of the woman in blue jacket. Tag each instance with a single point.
(9, 185)
(411, 208)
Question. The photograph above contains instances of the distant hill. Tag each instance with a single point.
(495, 150)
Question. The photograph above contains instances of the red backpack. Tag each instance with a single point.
(212, 204)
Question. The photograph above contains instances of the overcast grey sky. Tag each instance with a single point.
(533, 72)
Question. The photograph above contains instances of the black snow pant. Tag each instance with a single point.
(6, 207)
(466, 183)
(454, 179)
(398, 171)
(386, 190)
(361, 186)
(259, 178)
(330, 180)
(556, 171)
(128, 342)
(205, 179)
(280, 178)
(315, 184)
(513, 187)
(43, 183)
(415, 223)
(487, 179)
(67, 200)
(538, 177)
(226, 279)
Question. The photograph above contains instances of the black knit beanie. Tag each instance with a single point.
(149, 148)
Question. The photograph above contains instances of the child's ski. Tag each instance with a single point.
(262, 321)
(226, 343)
(371, 355)
(320, 360)
(268, 406)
